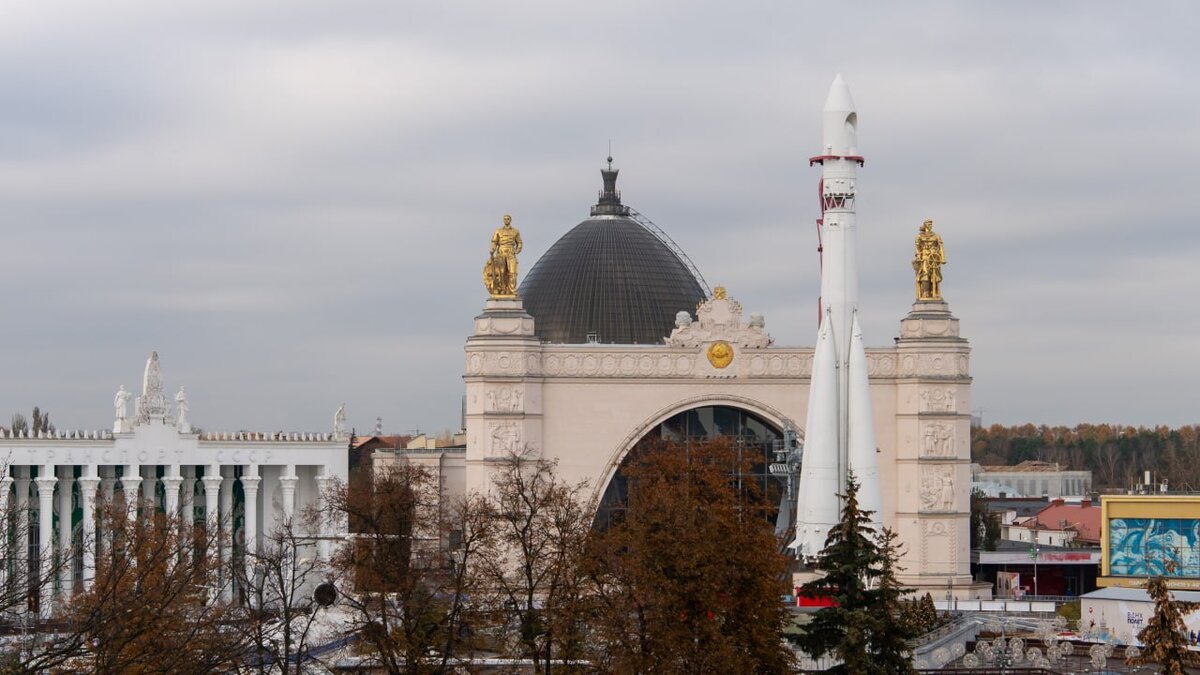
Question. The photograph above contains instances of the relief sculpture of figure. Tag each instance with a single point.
(931, 439)
(930, 492)
(927, 263)
(946, 439)
(500, 272)
(946, 501)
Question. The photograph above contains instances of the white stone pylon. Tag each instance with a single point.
(839, 436)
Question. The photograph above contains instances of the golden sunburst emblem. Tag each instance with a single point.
(720, 354)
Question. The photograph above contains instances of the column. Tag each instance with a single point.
(171, 482)
(21, 563)
(150, 488)
(88, 483)
(6, 547)
(189, 498)
(287, 489)
(324, 484)
(130, 480)
(66, 566)
(108, 483)
(212, 525)
(45, 484)
(250, 481)
(106, 497)
(227, 532)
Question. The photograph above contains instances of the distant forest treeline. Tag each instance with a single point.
(1116, 454)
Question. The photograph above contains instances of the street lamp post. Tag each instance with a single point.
(1033, 553)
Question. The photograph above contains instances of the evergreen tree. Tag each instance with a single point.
(929, 615)
(889, 641)
(854, 565)
(1164, 634)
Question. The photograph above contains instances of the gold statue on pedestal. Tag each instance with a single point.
(500, 271)
(928, 263)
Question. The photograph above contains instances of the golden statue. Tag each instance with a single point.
(500, 271)
(928, 263)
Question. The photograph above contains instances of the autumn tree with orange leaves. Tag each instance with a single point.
(690, 574)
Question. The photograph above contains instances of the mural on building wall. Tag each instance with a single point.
(1154, 546)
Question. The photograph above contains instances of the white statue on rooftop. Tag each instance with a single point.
(181, 408)
(339, 422)
(121, 403)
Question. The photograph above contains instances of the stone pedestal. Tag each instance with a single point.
(933, 453)
(504, 388)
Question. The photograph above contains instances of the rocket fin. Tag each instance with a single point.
(818, 504)
(861, 447)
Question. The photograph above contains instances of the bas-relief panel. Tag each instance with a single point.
(504, 398)
(937, 399)
(937, 439)
(937, 488)
(503, 437)
(939, 545)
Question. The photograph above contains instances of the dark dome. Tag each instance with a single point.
(611, 277)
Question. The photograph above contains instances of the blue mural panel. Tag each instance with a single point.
(1154, 547)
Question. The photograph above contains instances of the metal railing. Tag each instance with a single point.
(670, 244)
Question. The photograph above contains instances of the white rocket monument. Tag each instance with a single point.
(839, 435)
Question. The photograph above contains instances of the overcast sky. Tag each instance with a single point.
(291, 201)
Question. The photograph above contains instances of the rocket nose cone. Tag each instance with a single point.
(839, 97)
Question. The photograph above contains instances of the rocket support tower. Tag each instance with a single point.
(839, 435)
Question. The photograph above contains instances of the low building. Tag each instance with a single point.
(1117, 615)
(1017, 570)
(1032, 479)
(247, 483)
(1147, 535)
(1059, 523)
(1053, 551)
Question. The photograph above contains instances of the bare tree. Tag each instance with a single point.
(27, 572)
(689, 572)
(151, 607)
(278, 589)
(410, 560)
(534, 570)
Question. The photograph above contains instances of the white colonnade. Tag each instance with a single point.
(56, 508)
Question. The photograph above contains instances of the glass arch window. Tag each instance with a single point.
(753, 437)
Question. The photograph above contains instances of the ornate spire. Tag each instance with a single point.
(610, 197)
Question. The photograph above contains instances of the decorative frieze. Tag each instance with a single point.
(934, 364)
(622, 362)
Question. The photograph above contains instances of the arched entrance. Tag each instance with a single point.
(755, 439)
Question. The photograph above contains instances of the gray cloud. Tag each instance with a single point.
(290, 201)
